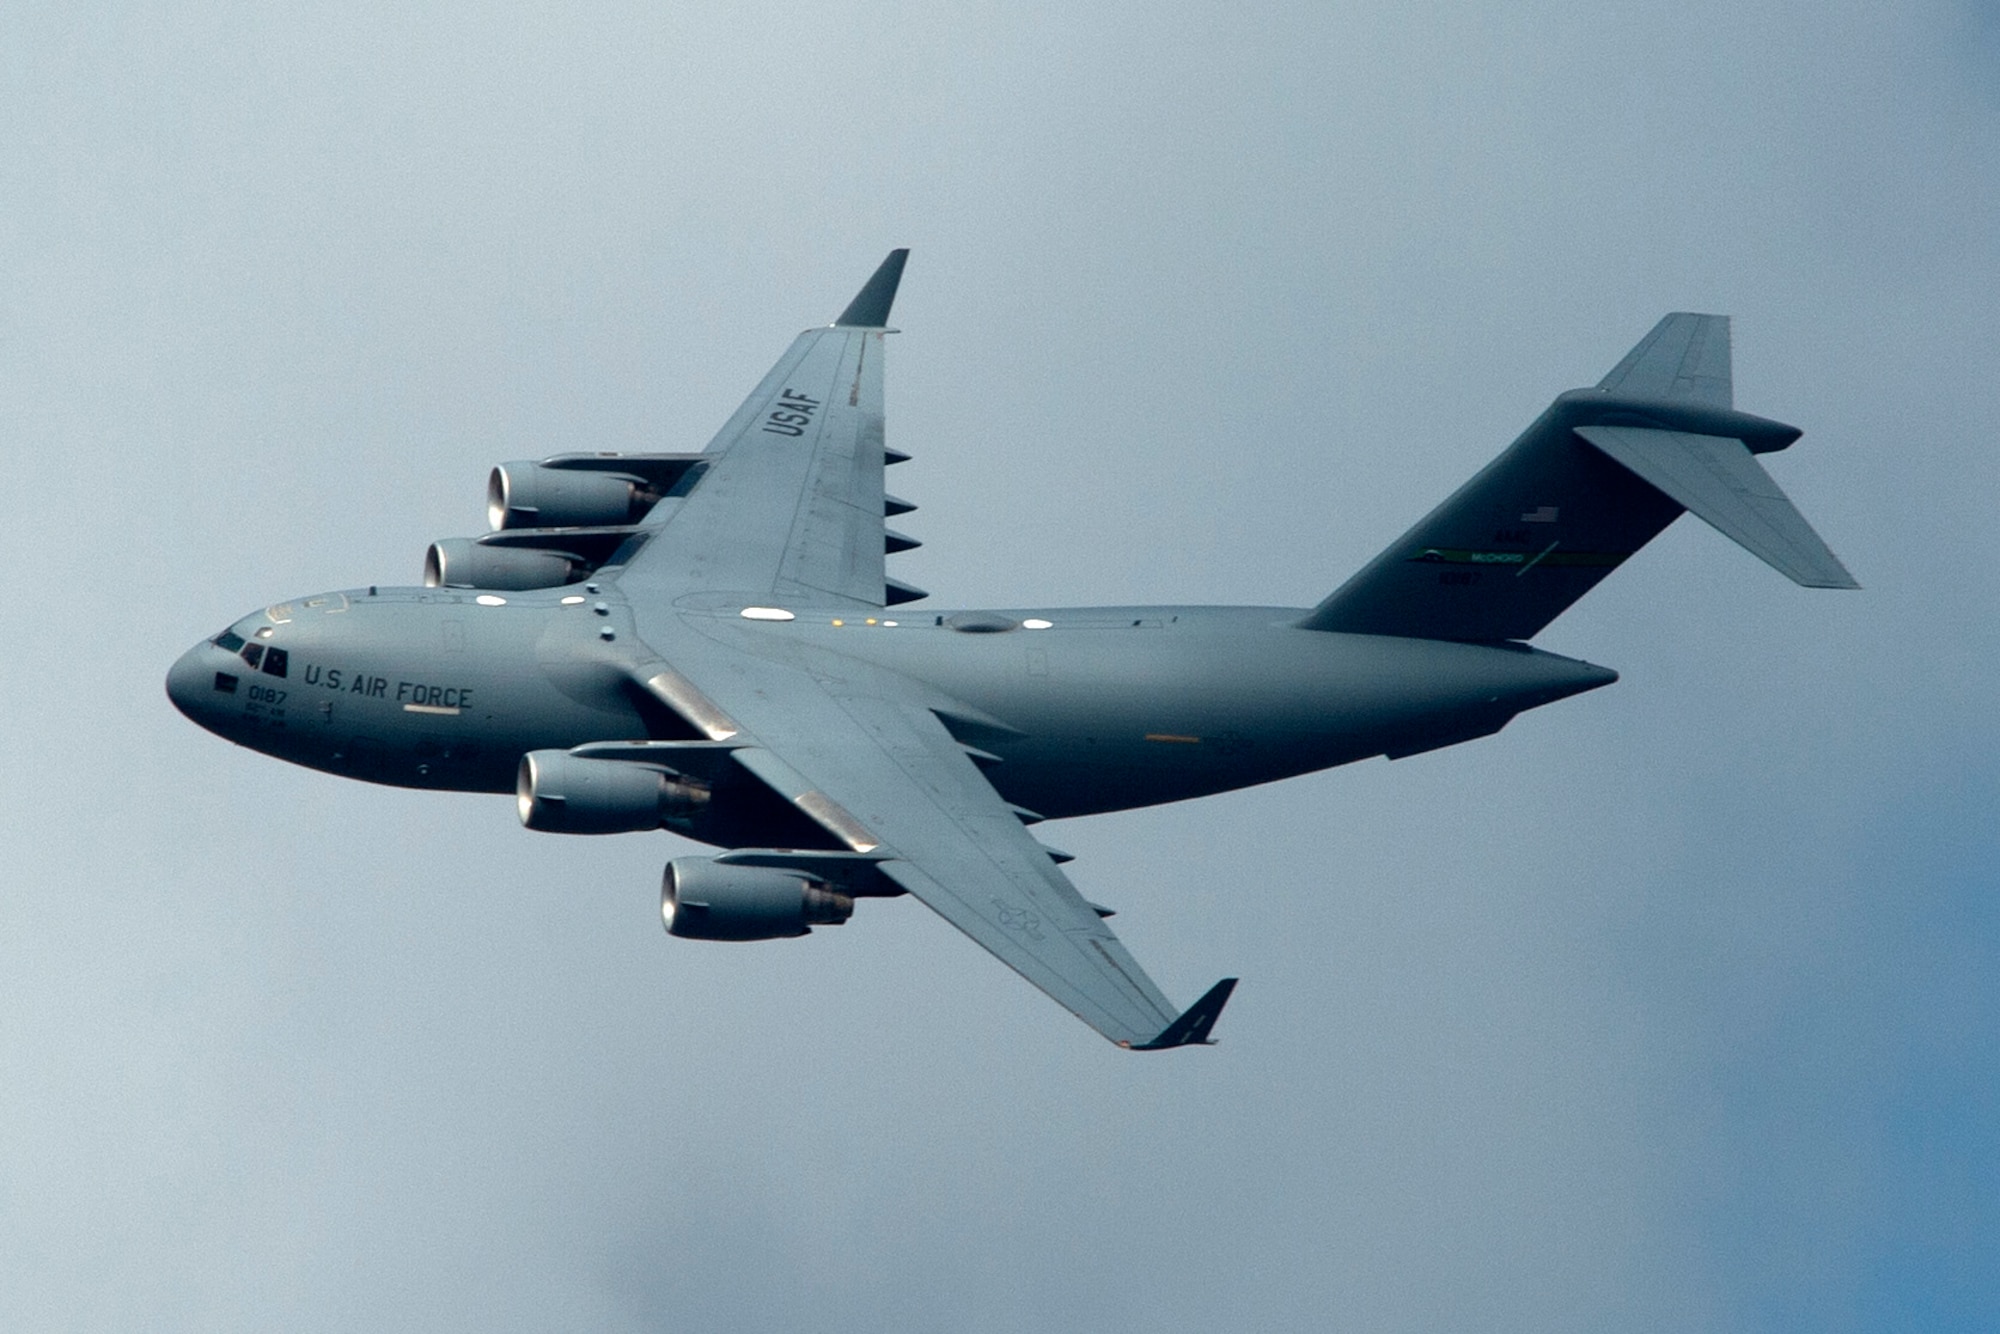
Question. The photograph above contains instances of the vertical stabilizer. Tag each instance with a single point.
(1595, 478)
(1685, 357)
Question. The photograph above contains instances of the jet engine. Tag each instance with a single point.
(557, 793)
(459, 562)
(703, 899)
(530, 495)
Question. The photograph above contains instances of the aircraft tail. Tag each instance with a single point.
(1595, 478)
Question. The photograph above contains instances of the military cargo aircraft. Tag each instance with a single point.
(709, 643)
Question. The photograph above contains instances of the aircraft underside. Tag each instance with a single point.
(712, 643)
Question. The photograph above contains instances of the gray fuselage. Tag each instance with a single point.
(1094, 709)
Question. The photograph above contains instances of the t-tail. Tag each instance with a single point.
(1596, 477)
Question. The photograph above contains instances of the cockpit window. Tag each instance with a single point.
(276, 661)
(253, 654)
(229, 641)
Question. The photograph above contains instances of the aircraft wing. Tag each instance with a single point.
(787, 509)
(788, 502)
(860, 751)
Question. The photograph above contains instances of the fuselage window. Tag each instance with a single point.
(276, 660)
(253, 654)
(229, 641)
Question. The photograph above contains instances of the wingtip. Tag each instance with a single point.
(870, 307)
(1192, 1028)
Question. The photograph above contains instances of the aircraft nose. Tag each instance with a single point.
(192, 680)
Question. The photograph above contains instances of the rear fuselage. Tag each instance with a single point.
(1089, 709)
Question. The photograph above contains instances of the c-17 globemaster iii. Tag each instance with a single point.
(709, 643)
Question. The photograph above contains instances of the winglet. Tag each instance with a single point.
(870, 307)
(1192, 1027)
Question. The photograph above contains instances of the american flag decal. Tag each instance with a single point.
(1542, 514)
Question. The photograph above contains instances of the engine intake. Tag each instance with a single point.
(702, 899)
(530, 495)
(459, 562)
(557, 793)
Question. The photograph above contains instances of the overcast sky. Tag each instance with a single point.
(1671, 1007)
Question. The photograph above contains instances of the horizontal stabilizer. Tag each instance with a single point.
(1719, 480)
(1191, 1029)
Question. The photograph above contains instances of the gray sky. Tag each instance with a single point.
(1671, 1007)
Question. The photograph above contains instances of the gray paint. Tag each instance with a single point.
(1663, 1009)
(1267, 699)
(752, 602)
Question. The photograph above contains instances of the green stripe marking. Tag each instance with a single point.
(1600, 560)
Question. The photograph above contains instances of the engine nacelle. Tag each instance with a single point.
(702, 899)
(459, 562)
(557, 793)
(528, 495)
